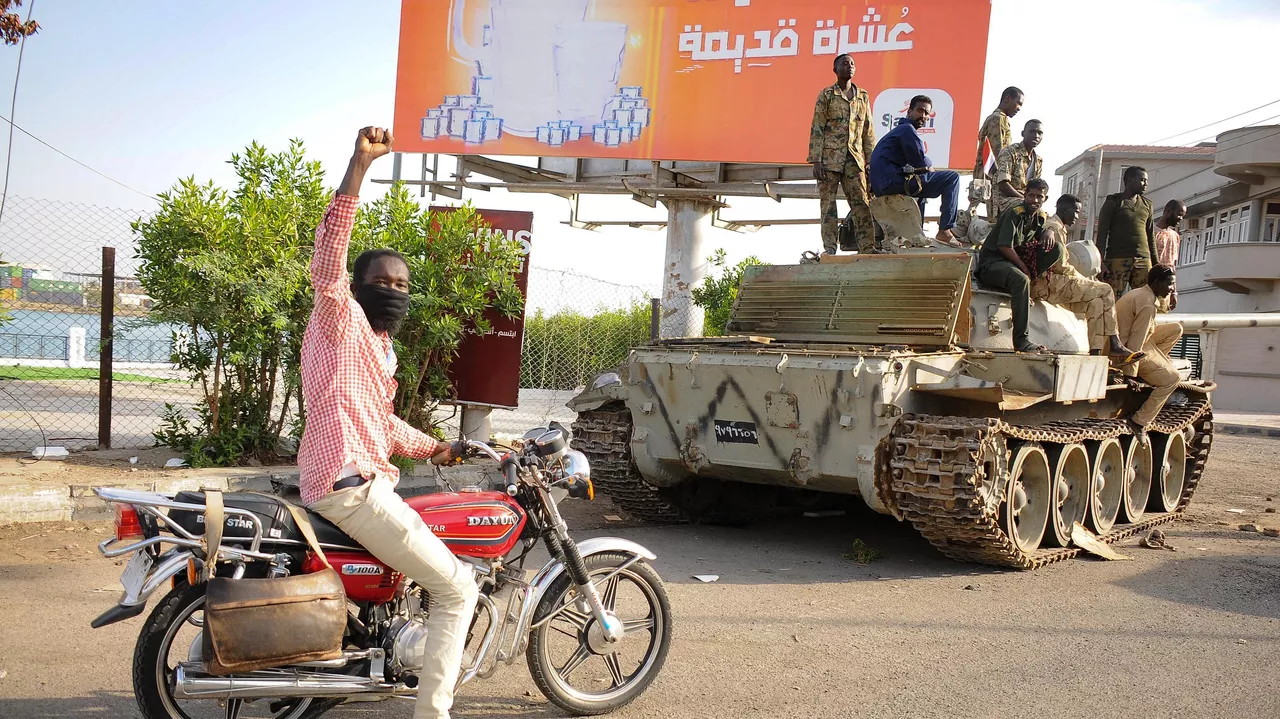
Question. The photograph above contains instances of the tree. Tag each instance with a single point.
(231, 268)
(459, 268)
(12, 29)
(718, 293)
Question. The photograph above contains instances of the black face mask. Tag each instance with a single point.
(384, 307)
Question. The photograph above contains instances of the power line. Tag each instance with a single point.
(13, 106)
(1236, 147)
(14, 126)
(1216, 122)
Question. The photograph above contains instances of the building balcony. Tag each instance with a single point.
(1243, 267)
(1249, 154)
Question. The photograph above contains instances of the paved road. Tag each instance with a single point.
(792, 629)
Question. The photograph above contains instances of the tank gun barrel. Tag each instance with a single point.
(1221, 321)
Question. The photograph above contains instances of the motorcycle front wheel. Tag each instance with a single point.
(169, 636)
(569, 659)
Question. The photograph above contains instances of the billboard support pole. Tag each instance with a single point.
(684, 266)
(476, 423)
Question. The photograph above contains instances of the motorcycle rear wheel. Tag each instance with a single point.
(153, 673)
(646, 618)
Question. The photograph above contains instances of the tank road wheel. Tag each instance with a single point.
(1137, 479)
(1107, 494)
(1071, 490)
(1171, 470)
(1025, 512)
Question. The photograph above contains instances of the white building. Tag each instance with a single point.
(1230, 254)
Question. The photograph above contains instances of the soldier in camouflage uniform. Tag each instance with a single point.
(995, 130)
(1062, 285)
(1017, 165)
(840, 144)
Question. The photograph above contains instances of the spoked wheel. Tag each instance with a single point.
(1025, 512)
(1137, 479)
(1108, 483)
(573, 663)
(1071, 490)
(1171, 470)
(171, 635)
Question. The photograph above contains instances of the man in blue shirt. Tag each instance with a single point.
(900, 167)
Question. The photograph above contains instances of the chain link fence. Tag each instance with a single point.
(51, 287)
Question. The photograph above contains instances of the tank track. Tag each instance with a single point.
(938, 477)
(604, 435)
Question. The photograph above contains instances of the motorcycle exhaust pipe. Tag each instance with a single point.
(278, 684)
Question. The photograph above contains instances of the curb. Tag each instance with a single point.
(1251, 430)
(26, 504)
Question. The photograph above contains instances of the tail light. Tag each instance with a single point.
(128, 525)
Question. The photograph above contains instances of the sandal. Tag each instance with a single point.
(1031, 348)
(1126, 360)
(953, 242)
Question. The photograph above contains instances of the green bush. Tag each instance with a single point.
(232, 269)
(719, 291)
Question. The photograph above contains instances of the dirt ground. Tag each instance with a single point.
(794, 629)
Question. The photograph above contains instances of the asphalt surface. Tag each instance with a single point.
(793, 629)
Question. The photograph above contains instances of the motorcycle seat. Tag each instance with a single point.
(278, 526)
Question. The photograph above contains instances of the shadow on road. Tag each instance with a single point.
(860, 545)
(95, 704)
(1199, 581)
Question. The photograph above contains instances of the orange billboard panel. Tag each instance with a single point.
(703, 80)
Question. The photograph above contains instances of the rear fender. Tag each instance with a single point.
(169, 564)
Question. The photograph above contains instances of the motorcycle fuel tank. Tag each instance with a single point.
(475, 524)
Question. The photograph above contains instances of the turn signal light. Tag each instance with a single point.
(128, 526)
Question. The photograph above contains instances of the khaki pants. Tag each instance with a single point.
(1156, 369)
(1091, 298)
(853, 181)
(376, 517)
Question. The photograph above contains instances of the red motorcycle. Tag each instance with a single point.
(594, 622)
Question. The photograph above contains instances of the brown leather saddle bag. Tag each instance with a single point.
(258, 623)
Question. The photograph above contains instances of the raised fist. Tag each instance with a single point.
(373, 142)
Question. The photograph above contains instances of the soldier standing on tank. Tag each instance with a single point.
(1135, 318)
(996, 132)
(840, 144)
(1062, 285)
(1126, 234)
(1017, 165)
(1002, 261)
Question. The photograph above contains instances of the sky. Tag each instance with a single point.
(149, 91)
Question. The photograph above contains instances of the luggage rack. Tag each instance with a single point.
(150, 504)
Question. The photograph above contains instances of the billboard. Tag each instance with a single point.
(487, 368)
(702, 80)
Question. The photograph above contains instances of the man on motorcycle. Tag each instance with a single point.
(348, 368)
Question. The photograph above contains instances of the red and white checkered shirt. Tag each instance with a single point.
(347, 379)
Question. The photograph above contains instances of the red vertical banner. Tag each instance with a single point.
(487, 368)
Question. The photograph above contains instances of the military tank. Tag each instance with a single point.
(892, 378)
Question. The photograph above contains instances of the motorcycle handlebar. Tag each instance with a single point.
(510, 471)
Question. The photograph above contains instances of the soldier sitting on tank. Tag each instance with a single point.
(1061, 284)
(900, 167)
(1002, 261)
(1135, 319)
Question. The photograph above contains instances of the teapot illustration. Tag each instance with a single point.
(539, 61)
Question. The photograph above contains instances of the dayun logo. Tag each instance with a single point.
(361, 569)
(504, 520)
